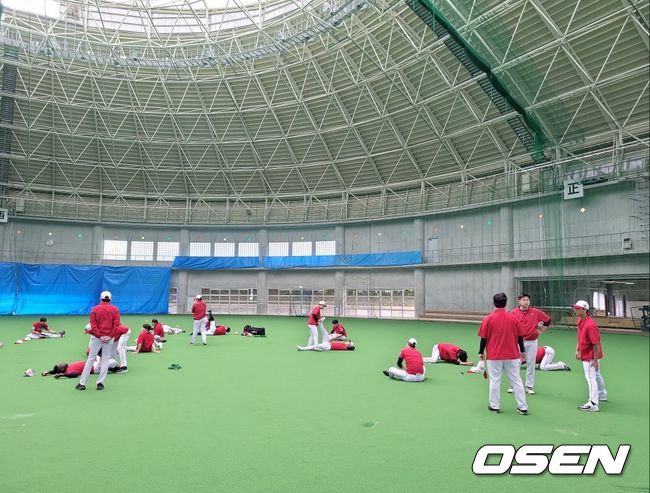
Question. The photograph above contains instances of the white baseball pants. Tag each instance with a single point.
(435, 355)
(496, 368)
(531, 352)
(108, 349)
(199, 325)
(595, 382)
(399, 374)
(547, 361)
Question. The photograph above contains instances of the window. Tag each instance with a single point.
(224, 249)
(325, 248)
(299, 302)
(301, 249)
(230, 301)
(142, 250)
(393, 303)
(115, 249)
(249, 249)
(200, 249)
(166, 250)
(278, 249)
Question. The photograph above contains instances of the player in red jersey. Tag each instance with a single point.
(315, 323)
(145, 343)
(332, 346)
(544, 358)
(415, 371)
(199, 314)
(338, 332)
(448, 353)
(73, 370)
(590, 351)
(40, 330)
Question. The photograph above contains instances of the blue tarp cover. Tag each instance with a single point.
(59, 289)
(357, 260)
(215, 263)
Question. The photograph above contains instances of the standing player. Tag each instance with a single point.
(315, 322)
(414, 364)
(122, 338)
(199, 311)
(104, 323)
(448, 353)
(502, 335)
(338, 332)
(589, 351)
(533, 323)
(544, 359)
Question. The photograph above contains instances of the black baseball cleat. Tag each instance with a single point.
(122, 369)
(80, 387)
(100, 386)
(385, 372)
(493, 410)
(523, 412)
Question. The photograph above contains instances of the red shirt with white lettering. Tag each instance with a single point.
(413, 359)
(448, 352)
(158, 330)
(314, 316)
(199, 309)
(146, 339)
(588, 335)
(104, 320)
(338, 346)
(501, 329)
(539, 356)
(39, 327)
(339, 329)
(529, 319)
(77, 368)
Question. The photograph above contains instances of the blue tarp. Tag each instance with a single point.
(8, 277)
(358, 260)
(138, 289)
(58, 289)
(215, 263)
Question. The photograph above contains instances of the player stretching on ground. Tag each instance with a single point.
(448, 353)
(415, 371)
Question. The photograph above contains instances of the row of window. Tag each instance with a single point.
(165, 251)
(393, 303)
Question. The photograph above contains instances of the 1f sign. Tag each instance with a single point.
(4, 215)
(573, 190)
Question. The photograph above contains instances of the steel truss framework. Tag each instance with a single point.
(371, 116)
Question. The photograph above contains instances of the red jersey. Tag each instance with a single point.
(529, 320)
(588, 335)
(104, 320)
(338, 346)
(314, 316)
(448, 352)
(199, 309)
(121, 330)
(39, 327)
(220, 330)
(413, 358)
(158, 330)
(77, 368)
(501, 329)
(146, 339)
(339, 329)
(539, 356)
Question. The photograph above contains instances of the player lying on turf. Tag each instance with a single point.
(40, 330)
(332, 346)
(338, 332)
(73, 370)
(250, 331)
(448, 353)
(415, 371)
(218, 330)
(167, 329)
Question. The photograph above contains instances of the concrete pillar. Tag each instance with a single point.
(263, 241)
(262, 292)
(184, 242)
(419, 286)
(182, 292)
(340, 240)
(418, 231)
(4, 250)
(98, 245)
(506, 233)
(507, 284)
(339, 292)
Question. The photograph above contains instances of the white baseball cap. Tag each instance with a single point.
(412, 341)
(322, 303)
(581, 304)
(105, 294)
(198, 297)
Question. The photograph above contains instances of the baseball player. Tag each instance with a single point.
(502, 335)
(448, 353)
(73, 370)
(315, 323)
(40, 330)
(533, 322)
(589, 350)
(332, 346)
(199, 311)
(104, 323)
(146, 342)
(338, 332)
(544, 358)
(415, 371)
(122, 338)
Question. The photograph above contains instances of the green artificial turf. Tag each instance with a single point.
(255, 415)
